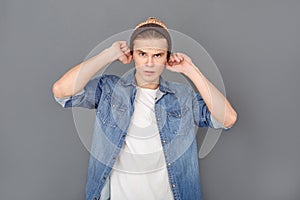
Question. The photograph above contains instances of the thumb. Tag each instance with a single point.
(169, 67)
(129, 58)
(123, 58)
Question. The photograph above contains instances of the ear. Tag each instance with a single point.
(166, 63)
(131, 53)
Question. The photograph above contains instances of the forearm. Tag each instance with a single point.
(76, 78)
(216, 102)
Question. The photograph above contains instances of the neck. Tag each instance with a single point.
(152, 86)
(144, 84)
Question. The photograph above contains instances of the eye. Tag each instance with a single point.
(142, 54)
(158, 55)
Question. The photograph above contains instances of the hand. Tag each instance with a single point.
(180, 62)
(121, 52)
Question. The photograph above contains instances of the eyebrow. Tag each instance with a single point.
(141, 51)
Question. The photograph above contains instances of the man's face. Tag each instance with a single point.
(150, 57)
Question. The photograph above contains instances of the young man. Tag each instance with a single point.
(144, 144)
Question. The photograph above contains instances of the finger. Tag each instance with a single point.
(174, 56)
(129, 58)
(124, 49)
(169, 64)
(127, 53)
(181, 56)
(171, 58)
(177, 58)
(123, 44)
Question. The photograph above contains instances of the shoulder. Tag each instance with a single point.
(107, 80)
(180, 88)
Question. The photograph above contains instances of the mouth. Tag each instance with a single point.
(149, 72)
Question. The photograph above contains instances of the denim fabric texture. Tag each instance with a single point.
(178, 110)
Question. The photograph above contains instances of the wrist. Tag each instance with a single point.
(190, 71)
(111, 54)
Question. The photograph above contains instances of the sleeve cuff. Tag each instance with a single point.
(217, 124)
(62, 101)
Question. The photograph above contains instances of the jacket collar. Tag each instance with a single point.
(129, 79)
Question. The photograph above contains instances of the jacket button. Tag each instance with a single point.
(169, 164)
(164, 141)
(173, 185)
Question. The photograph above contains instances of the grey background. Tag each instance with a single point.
(254, 43)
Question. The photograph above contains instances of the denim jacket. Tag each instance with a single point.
(178, 110)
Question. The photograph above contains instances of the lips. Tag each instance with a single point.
(149, 72)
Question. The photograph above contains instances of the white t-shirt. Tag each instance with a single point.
(140, 171)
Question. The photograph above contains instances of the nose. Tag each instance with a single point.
(150, 61)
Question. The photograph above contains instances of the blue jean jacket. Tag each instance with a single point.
(178, 110)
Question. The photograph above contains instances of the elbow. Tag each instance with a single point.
(57, 90)
(232, 120)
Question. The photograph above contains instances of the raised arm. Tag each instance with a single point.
(216, 102)
(74, 80)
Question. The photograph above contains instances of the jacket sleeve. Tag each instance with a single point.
(202, 115)
(88, 97)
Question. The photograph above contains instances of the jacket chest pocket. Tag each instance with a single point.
(112, 111)
(179, 120)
